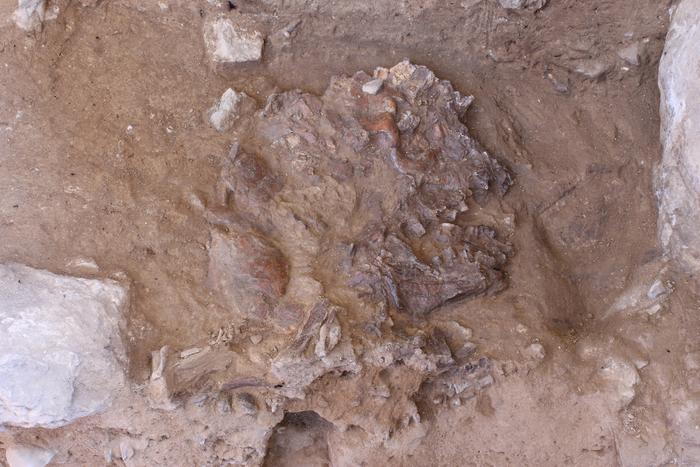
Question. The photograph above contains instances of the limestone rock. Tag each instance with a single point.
(229, 109)
(83, 265)
(592, 69)
(631, 54)
(372, 87)
(61, 352)
(622, 379)
(233, 40)
(521, 4)
(678, 176)
(27, 456)
(29, 14)
(536, 351)
(647, 292)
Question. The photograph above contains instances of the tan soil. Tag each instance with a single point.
(105, 140)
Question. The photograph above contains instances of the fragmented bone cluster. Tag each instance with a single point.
(343, 222)
(362, 198)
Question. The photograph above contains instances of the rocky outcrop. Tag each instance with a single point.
(678, 177)
(61, 351)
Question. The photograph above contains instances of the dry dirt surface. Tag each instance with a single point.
(570, 338)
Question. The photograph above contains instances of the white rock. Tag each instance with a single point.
(591, 69)
(657, 289)
(678, 177)
(328, 336)
(126, 450)
(189, 352)
(631, 54)
(83, 265)
(157, 389)
(372, 87)
(520, 4)
(455, 328)
(29, 14)
(622, 378)
(229, 108)
(256, 339)
(233, 40)
(195, 202)
(61, 354)
(535, 351)
(27, 456)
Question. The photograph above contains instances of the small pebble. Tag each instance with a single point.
(631, 54)
(125, 450)
(256, 339)
(485, 381)
(84, 265)
(246, 404)
(372, 87)
(223, 405)
(536, 351)
(190, 352)
(592, 69)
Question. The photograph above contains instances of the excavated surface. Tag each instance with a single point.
(418, 297)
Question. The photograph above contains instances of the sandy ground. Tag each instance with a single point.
(105, 140)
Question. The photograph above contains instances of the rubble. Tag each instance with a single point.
(233, 39)
(65, 332)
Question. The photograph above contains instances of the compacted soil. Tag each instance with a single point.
(106, 153)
